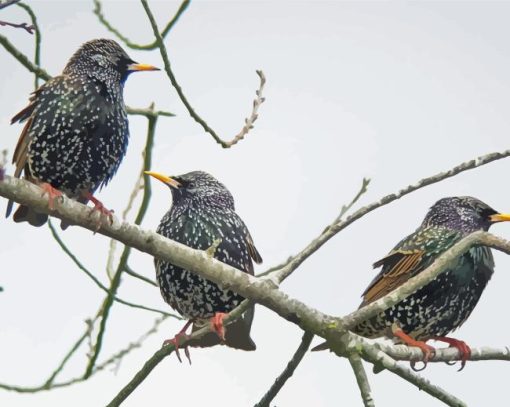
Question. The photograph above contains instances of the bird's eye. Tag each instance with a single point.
(486, 213)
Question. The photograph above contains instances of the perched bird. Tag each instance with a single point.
(202, 215)
(446, 302)
(76, 130)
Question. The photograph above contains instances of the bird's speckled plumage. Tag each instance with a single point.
(76, 131)
(445, 303)
(203, 212)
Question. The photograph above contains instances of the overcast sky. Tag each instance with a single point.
(390, 91)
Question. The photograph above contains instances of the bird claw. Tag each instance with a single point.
(99, 207)
(53, 194)
(175, 343)
(461, 346)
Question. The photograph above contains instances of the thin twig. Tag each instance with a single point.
(361, 379)
(115, 358)
(108, 302)
(288, 372)
(166, 350)
(99, 13)
(28, 28)
(380, 358)
(37, 39)
(87, 272)
(164, 55)
(7, 3)
(336, 227)
(23, 59)
(133, 273)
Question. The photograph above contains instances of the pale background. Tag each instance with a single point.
(391, 91)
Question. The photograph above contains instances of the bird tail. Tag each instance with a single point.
(26, 214)
(237, 334)
(322, 346)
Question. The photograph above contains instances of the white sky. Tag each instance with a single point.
(390, 91)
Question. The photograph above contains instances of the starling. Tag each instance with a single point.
(203, 215)
(446, 302)
(76, 130)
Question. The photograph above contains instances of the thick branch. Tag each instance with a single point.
(260, 290)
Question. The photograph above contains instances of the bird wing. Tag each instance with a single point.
(410, 257)
(398, 267)
(254, 253)
(20, 156)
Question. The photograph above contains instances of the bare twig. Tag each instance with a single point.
(288, 372)
(7, 3)
(108, 302)
(115, 358)
(380, 358)
(23, 59)
(80, 265)
(133, 273)
(164, 55)
(160, 354)
(361, 379)
(336, 227)
(99, 13)
(28, 28)
(37, 39)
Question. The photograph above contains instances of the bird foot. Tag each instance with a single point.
(461, 346)
(99, 207)
(427, 350)
(217, 324)
(53, 194)
(175, 343)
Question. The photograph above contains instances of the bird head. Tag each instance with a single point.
(463, 213)
(104, 57)
(198, 187)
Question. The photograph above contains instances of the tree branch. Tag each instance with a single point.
(361, 379)
(335, 227)
(380, 358)
(7, 3)
(160, 354)
(96, 280)
(115, 358)
(164, 55)
(99, 13)
(426, 276)
(288, 372)
(147, 191)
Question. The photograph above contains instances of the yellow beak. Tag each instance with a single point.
(500, 217)
(164, 178)
(141, 67)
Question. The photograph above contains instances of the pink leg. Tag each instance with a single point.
(461, 346)
(53, 194)
(217, 324)
(428, 351)
(175, 342)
